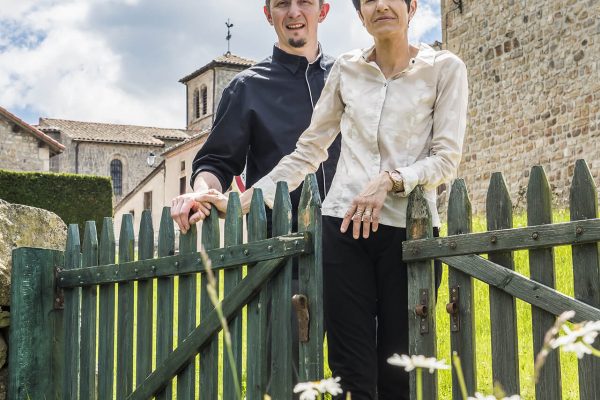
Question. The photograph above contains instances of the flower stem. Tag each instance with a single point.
(459, 375)
(419, 384)
(595, 351)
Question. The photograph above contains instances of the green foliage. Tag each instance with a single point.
(74, 198)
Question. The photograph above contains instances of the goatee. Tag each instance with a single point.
(297, 43)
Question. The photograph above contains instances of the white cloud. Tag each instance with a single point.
(119, 60)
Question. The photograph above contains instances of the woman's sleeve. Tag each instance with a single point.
(449, 125)
(311, 149)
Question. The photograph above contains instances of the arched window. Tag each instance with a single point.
(196, 104)
(116, 173)
(204, 100)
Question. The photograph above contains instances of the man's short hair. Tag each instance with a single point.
(357, 4)
(268, 3)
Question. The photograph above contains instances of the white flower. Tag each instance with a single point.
(310, 390)
(412, 362)
(576, 339)
(479, 396)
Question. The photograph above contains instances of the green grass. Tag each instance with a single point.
(564, 281)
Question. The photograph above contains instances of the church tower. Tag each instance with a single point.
(205, 86)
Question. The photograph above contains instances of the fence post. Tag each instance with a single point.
(421, 294)
(234, 225)
(257, 368)
(586, 269)
(462, 334)
(34, 370)
(281, 311)
(71, 317)
(541, 267)
(505, 357)
(310, 273)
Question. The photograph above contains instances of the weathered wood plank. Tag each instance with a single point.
(87, 387)
(281, 314)
(541, 267)
(186, 315)
(310, 276)
(165, 299)
(518, 286)
(209, 356)
(106, 321)
(234, 235)
(421, 291)
(503, 317)
(125, 313)
(71, 316)
(222, 258)
(145, 298)
(257, 368)
(532, 237)
(462, 336)
(586, 268)
(204, 333)
(32, 372)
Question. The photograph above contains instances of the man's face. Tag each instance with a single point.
(296, 21)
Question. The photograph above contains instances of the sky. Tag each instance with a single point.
(119, 61)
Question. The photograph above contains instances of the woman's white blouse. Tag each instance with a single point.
(413, 123)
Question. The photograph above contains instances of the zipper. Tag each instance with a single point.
(312, 102)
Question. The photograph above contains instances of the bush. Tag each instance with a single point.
(74, 198)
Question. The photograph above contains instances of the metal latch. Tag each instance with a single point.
(422, 311)
(300, 303)
(453, 309)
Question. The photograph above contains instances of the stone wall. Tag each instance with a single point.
(534, 90)
(20, 151)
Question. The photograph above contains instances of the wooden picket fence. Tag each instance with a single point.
(75, 312)
(461, 250)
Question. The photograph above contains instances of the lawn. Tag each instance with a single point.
(564, 279)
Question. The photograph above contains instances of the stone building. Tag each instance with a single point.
(24, 147)
(534, 76)
(118, 151)
(205, 86)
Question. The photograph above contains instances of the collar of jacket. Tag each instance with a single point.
(293, 62)
(426, 54)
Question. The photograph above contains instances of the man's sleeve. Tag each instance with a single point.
(224, 153)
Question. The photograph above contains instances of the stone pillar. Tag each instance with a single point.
(21, 226)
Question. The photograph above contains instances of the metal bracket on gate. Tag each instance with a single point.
(422, 310)
(59, 294)
(453, 308)
(300, 303)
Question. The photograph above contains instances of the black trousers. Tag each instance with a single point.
(366, 310)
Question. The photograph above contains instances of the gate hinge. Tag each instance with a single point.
(59, 294)
(453, 308)
(422, 311)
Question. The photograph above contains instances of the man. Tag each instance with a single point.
(264, 110)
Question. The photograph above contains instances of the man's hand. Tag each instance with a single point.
(217, 199)
(366, 207)
(187, 210)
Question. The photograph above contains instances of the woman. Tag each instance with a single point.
(401, 111)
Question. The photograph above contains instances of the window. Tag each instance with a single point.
(54, 166)
(204, 100)
(182, 187)
(182, 166)
(196, 104)
(116, 173)
(148, 201)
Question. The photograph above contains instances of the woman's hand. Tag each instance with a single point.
(366, 207)
(218, 200)
(186, 208)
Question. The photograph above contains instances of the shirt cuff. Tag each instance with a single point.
(268, 188)
(410, 179)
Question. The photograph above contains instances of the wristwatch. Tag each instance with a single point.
(397, 181)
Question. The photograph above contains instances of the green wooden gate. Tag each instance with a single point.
(85, 327)
(460, 251)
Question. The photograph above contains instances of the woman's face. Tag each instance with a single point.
(384, 18)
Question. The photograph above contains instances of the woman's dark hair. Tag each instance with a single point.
(357, 4)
